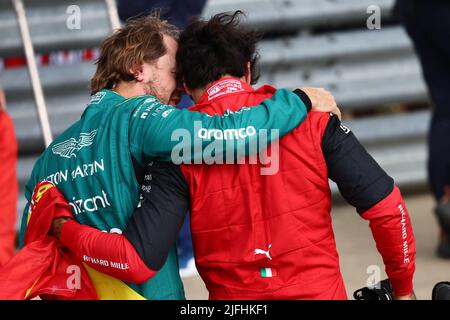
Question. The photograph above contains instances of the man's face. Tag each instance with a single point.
(159, 77)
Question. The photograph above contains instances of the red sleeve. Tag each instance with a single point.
(393, 234)
(8, 187)
(108, 253)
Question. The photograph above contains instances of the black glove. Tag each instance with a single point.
(441, 291)
(383, 293)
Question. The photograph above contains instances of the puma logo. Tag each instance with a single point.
(266, 253)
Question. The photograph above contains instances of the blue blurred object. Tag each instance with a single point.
(185, 251)
(185, 102)
(177, 12)
(184, 243)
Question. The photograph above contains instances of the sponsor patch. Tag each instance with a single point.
(70, 147)
(97, 98)
(268, 272)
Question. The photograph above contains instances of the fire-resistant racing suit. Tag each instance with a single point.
(263, 236)
(93, 164)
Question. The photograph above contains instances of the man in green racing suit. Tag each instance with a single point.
(129, 123)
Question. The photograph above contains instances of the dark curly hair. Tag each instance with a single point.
(211, 49)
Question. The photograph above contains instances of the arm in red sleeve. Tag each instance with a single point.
(152, 230)
(108, 253)
(366, 186)
(393, 234)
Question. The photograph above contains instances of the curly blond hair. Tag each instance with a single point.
(139, 41)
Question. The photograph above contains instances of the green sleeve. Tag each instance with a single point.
(156, 129)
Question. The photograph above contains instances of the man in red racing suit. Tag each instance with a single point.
(270, 236)
(260, 236)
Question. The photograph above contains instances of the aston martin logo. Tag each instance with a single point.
(70, 147)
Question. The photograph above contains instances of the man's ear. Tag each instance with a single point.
(248, 73)
(186, 89)
(138, 73)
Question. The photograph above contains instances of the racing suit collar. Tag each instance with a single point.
(100, 100)
(224, 86)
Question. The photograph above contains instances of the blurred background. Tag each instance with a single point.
(369, 64)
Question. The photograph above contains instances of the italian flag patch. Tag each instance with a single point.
(268, 272)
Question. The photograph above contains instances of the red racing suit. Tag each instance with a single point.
(261, 236)
(8, 187)
(270, 236)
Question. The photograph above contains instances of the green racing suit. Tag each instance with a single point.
(92, 161)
